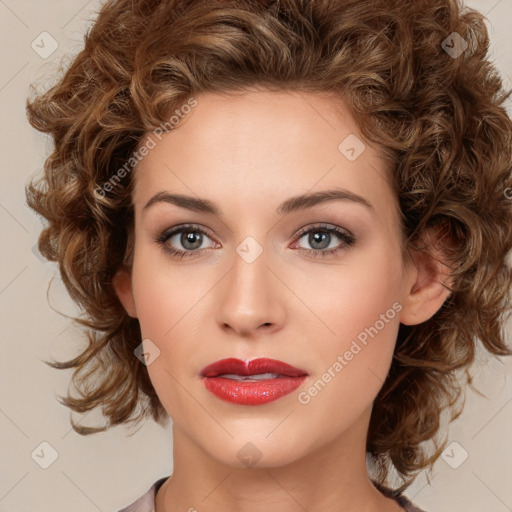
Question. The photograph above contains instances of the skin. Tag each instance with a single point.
(247, 153)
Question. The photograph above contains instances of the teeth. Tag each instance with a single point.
(251, 378)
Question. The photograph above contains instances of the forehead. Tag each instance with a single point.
(244, 149)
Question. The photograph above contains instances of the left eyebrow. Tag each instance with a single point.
(304, 201)
(292, 204)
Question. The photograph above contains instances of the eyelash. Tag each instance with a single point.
(346, 237)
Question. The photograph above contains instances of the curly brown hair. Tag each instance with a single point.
(436, 117)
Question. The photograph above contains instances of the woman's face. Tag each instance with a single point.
(263, 280)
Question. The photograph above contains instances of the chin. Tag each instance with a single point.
(256, 451)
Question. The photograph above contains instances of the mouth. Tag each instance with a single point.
(255, 382)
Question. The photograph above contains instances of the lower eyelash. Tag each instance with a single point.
(347, 239)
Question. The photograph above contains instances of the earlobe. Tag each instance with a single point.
(427, 288)
(122, 283)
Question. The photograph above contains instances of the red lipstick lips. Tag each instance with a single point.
(255, 382)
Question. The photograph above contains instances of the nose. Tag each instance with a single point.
(251, 298)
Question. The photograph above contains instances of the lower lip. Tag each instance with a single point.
(252, 393)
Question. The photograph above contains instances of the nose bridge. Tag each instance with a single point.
(250, 294)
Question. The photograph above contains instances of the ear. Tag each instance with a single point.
(122, 283)
(428, 280)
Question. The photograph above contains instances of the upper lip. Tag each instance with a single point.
(253, 367)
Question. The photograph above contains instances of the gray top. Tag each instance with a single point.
(146, 503)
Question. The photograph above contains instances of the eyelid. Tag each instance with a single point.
(321, 226)
(187, 227)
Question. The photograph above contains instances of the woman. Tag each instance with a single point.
(287, 224)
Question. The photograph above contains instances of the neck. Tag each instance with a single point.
(332, 477)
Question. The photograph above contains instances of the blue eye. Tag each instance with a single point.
(326, 233)
(191, 237)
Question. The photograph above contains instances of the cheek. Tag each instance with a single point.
(170, 312)
(359, 305)
(350, 297)
(164, 293)
(166, 312)
(351, 364)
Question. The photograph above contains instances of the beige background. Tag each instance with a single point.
(106, 471)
